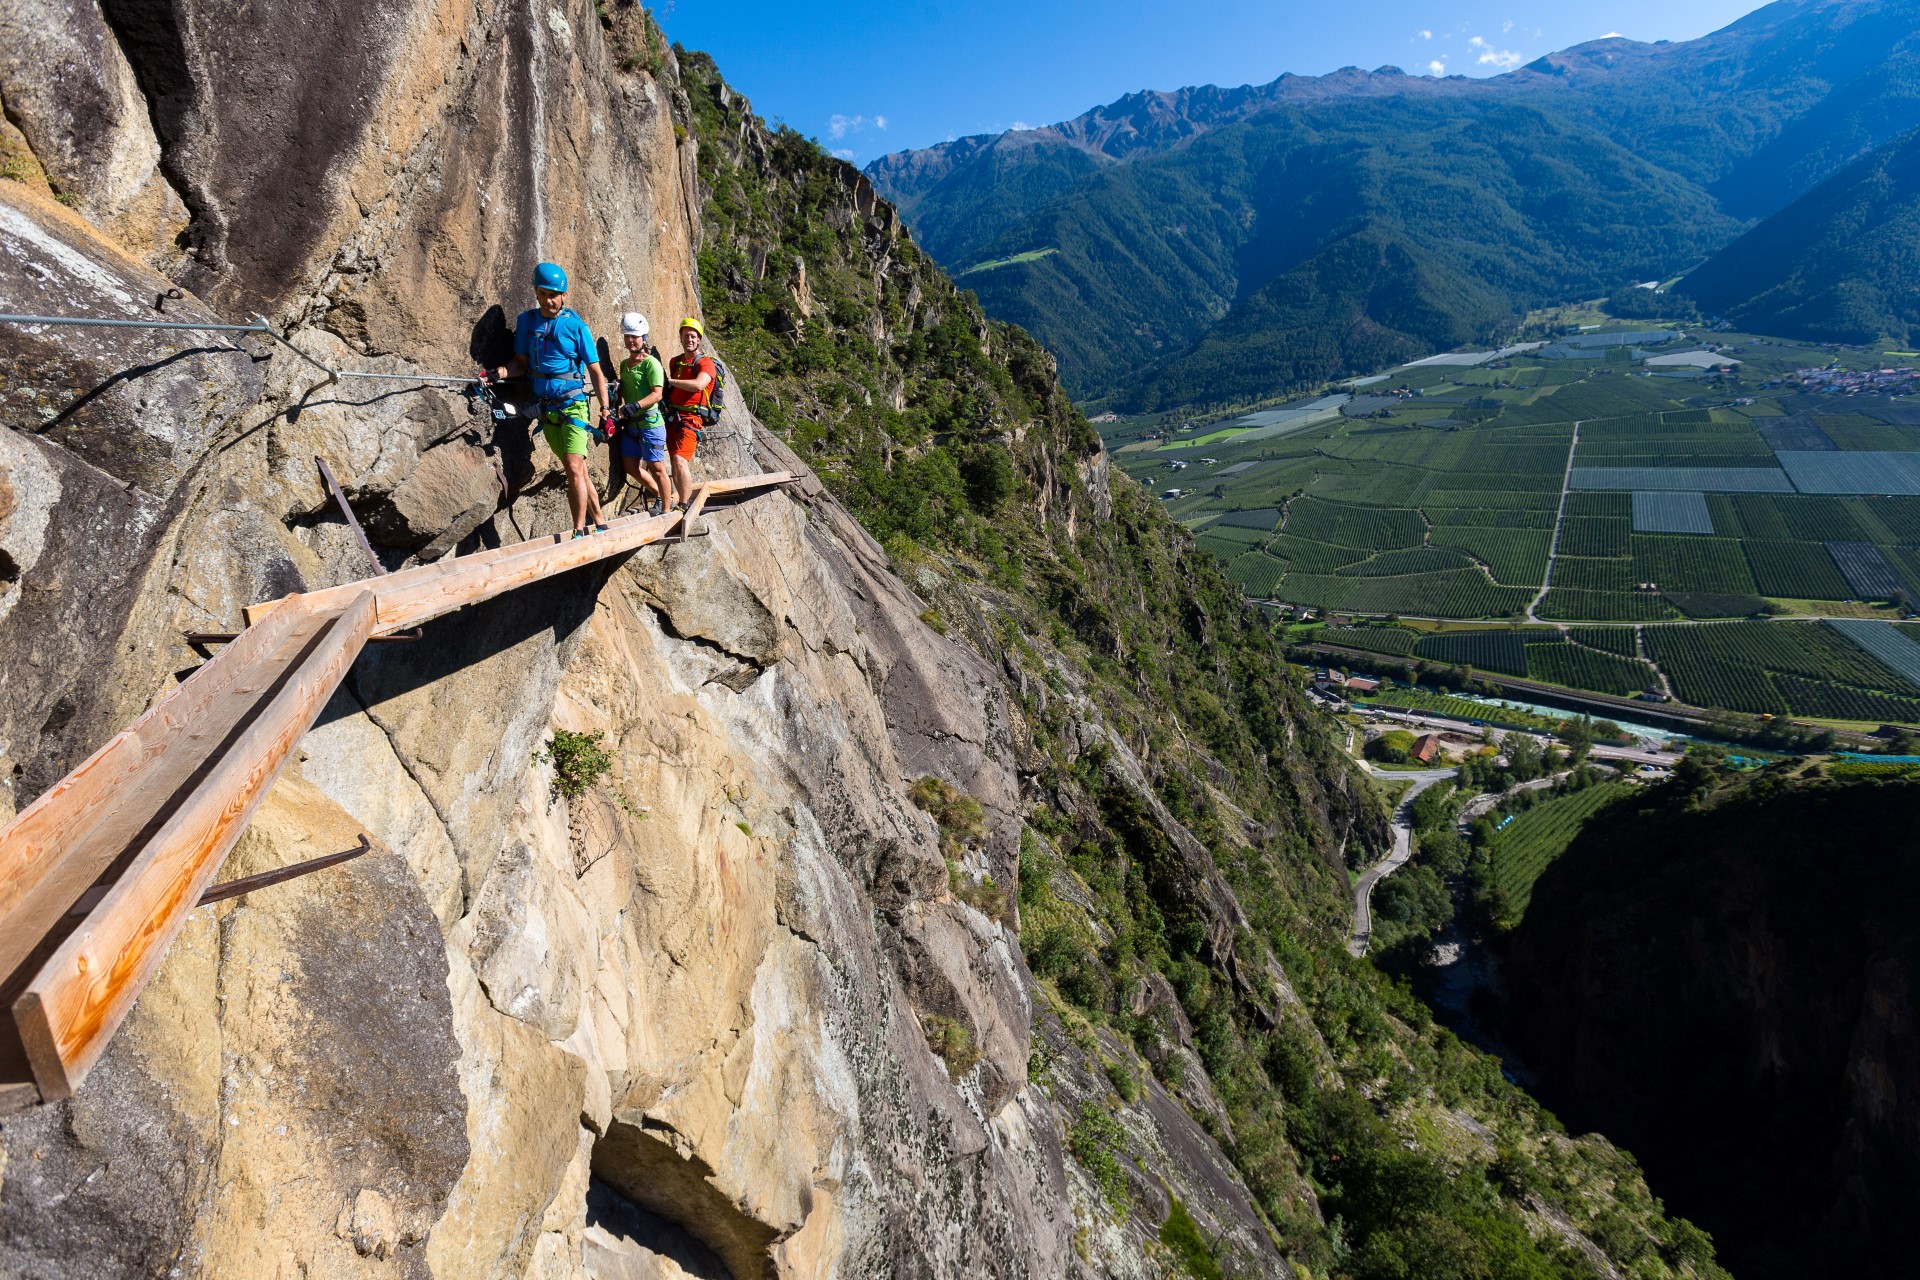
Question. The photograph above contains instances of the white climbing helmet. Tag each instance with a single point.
(633, 324)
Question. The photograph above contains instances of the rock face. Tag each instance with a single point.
(1733, 993)
(678, 1024)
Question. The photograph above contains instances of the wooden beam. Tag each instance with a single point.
(77, 1000)
(161, 804)
(56, 847)
(401, 585)
(692, 513)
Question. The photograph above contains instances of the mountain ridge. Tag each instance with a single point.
(1727, 127)
(1836, 265)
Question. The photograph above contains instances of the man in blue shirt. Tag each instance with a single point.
(554, 347)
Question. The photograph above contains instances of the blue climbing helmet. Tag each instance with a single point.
(549, 277)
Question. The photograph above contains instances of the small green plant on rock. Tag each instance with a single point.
(1094, 1138)
(1181, 1234)
(983, 895)
(579, 761)
(1121, 1077)
(950, 1038)
(958, 815)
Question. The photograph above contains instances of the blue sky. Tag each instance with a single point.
(866, 79)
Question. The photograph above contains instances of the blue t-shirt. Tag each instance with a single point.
(558, 352)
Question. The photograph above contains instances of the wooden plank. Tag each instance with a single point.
(74, 1004)
(56, 847)
(692, 513)
(407, 579)
(411, 605)
(453, 584)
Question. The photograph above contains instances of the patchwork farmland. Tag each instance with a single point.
(1620, 526)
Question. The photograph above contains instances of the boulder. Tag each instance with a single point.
(452, 492)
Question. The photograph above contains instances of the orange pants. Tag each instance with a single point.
(681, 438)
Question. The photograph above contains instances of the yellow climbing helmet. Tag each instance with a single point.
(693, 324)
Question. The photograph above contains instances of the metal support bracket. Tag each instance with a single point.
(359, 534)
(245, 884)
(340, 500)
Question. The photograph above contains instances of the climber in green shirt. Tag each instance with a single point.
(643, 432)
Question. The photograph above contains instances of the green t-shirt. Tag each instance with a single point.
(639, 377)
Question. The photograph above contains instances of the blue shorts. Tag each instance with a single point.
(651, 446)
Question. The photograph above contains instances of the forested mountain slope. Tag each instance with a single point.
(1181, 884)
(1169, 246)
(1723, 974)
(928, 869)
(1840, 264)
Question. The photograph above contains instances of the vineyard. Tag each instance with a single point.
(1873, 769)
(1579, 668)
(1228, 542)
(1535, 838)
(1773, 667)
(1799, 518)
(1573, 605)
(1502, 651)
(1375, 528)
(1599, 536)
(1444, 506)
(1515, 556)
(1795, 571)
(1397, 641)
(1691, 564)
(1257, 573)
(1442, 704)
(1580, 573)
(1307, 556)
(1614, 640)
(1885, 642)
(1715, 604)
(1390, 564)
(1838, 702)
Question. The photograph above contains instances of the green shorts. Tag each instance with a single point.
(566, 429)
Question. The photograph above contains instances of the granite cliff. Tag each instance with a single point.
(961, 902)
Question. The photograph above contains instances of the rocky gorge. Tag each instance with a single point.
(945, 908)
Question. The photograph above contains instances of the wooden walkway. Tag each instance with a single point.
(98, 874)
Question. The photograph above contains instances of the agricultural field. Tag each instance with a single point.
(1688, 500)
(1528, 844)
(1578, 667)
(1464, 709)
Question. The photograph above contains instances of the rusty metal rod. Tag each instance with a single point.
(340, 500)
(246, 884)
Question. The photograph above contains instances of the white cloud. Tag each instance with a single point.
(1425, 34)
(839, 126)
(1505, 59)
(1019, 126)
(1438, 67)
(1506, 26)
(845, 153)
(1613, 35)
